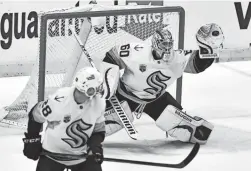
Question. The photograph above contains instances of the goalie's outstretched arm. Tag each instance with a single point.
(196, 64)
(112, 57)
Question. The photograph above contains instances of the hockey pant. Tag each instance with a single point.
(47, 164)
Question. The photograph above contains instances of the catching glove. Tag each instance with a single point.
(210, 39)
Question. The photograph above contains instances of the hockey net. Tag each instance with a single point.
(60, 56)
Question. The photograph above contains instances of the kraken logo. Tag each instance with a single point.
(157, 83)
(76, 132)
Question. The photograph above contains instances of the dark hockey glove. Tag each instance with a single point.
(32, 146)
(96, 153)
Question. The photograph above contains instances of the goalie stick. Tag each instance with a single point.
(180, 165)
(129, 127)
(230, 55)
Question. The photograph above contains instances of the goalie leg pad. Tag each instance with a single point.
(184, 127)
(112, 121)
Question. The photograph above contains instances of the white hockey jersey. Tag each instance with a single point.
(144, 77)
(70, 125)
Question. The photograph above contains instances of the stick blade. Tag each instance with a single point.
(190, 156)
(180, 165)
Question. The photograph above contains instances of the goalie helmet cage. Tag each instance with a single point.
(60, 52)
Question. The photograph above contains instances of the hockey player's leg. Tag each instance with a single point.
(47, 164)
(183, 127)
(168, 116)
(155, 108)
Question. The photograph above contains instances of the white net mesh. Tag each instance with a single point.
(63, 53)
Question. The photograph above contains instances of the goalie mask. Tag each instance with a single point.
(89, 81)
(162, 45)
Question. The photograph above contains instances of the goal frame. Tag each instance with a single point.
(43, 33)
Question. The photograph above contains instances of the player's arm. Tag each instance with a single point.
(47, 109)
(41, 112)
(113, 56)
(98, 134)
(35, 121)
(115, 68)
(95, 141)
(32, 140)
(195, 64)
